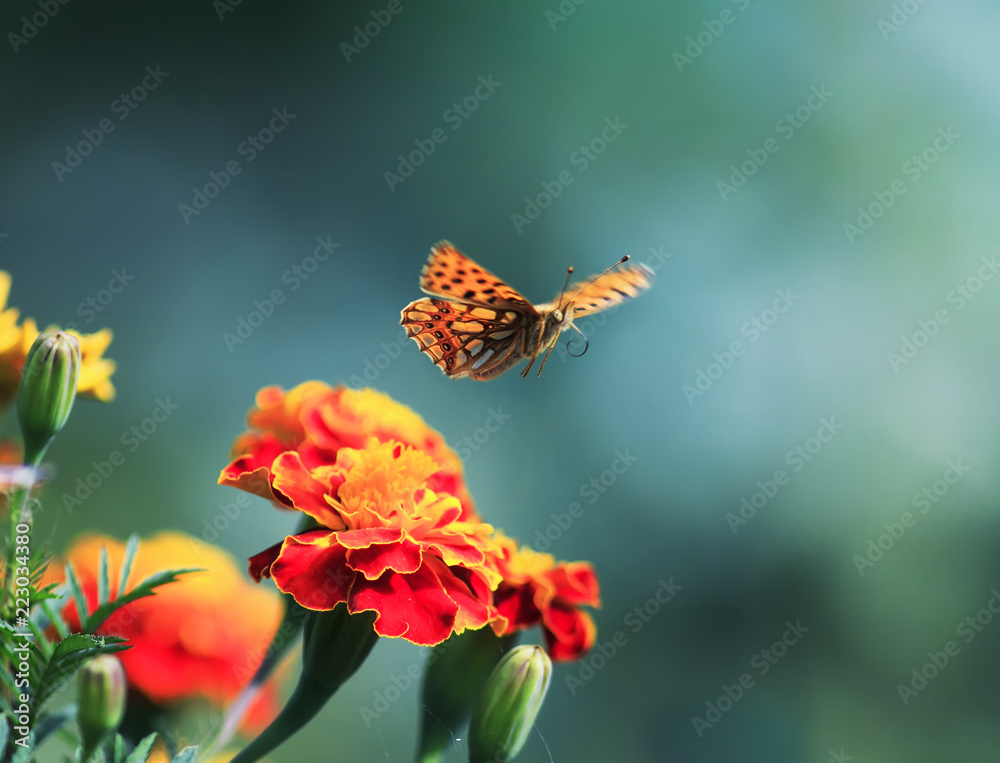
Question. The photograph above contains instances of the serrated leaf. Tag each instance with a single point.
(141, 751)
(53, 722)
(102, 577)
(77, 593)
(67, 658)
(145, 588)
(131, 549)
(47, 615)
(187, 755)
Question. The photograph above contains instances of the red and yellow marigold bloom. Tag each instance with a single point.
(316, 421)
(200, 637)
(15, 341)
(389, 542)
(537, 590)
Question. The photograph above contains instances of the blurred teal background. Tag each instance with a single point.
(827, 104)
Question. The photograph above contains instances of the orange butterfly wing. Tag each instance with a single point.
(465, 339)
(609, 290)
(451, 275)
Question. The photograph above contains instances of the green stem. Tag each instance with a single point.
(307, 699)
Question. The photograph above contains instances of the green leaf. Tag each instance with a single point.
(145, 588)
(141, 751)
(131, 548)
(52, 723)
(121, 749)
(4, 735)
(77, 593)
(102, 577)
(67, 658)
(46, 615)
(187, 755)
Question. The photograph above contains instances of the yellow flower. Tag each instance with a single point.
(15, 341)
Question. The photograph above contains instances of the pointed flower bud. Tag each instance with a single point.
(47, 390)
(100, 700)
(456, 673)
(509, 705)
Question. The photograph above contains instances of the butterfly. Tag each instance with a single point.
(476, 326)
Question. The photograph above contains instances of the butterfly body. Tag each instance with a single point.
(474, 325)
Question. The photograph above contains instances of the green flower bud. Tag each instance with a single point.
(47, 390)
(509, 705)
(455, 675)
(100, 700)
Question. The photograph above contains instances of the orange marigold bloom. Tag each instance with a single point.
(388, 542)
(536, 590)
(15, 341)
(202, 636)
(316, 421)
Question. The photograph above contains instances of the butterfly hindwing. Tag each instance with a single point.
(451, 275)
(465, 339)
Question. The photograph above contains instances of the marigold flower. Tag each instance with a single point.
(389, 542)
(201, 637)
(15, 341)
(316, 421)
(536, 590)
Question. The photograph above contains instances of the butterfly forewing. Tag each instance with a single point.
(465, 339)
(609, 289)
(450, 274)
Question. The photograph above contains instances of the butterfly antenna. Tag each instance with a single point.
(623, 260)
(571, 342)
(569, 272)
